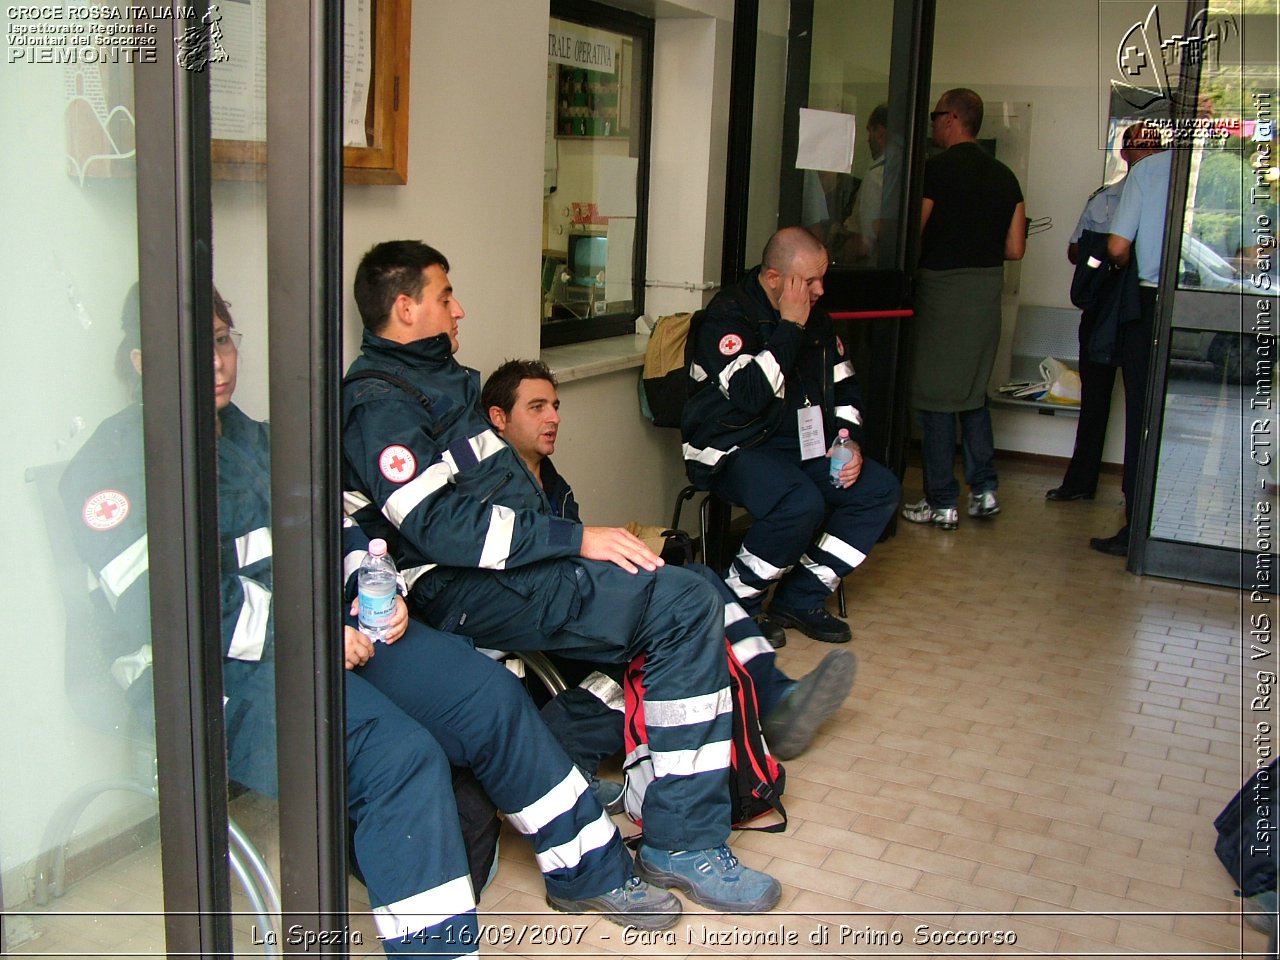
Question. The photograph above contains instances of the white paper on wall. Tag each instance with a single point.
(826, 141)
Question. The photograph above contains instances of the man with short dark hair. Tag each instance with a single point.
(972, 219)
(1101, 323)
(1137, 233)
(475, 537)
(771, 388)
(522, 404)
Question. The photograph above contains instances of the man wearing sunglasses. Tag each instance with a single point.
(972, 220)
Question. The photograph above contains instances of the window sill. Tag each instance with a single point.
(594, 358)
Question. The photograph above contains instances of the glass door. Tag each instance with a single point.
(114, 829)
(78, 709)
(1210, 461)
(829, 140)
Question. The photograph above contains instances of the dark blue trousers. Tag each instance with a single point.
(938, 454)
(481, 717)
(806, 534)
(1096, 383)
(588, 719)
(408, 842)
(1135, 358)
(597, 612)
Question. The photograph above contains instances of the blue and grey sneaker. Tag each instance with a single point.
(714, 878)
(608, 794)
(634, 904)
(791, 726)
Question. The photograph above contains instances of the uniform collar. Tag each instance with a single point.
(431, 351)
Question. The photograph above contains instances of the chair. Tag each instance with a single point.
(714, 515)
(99, 701)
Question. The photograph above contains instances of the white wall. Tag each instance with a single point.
(474, 190)
(475, 170)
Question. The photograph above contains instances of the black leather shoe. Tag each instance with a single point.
(1062, 494)
(817, 623)
(773, 631)
(1117, 546)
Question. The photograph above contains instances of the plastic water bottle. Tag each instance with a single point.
(841, 453)
(377, 590)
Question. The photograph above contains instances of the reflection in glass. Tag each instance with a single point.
(1209, 478)
(79, 836)
(1203, 485)
(853, 210)
(592, 169)
(849, 73)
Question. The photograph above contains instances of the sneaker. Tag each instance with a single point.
(983, 504)
(1260, 911)
(791, 725)
(608, 794)
(634, 904)
(944, 518)
(816, 623)
(772, 631)
(714, 878)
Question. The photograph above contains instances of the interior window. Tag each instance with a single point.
(595, 172)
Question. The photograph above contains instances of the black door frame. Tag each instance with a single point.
(881, 345)
(175, 240)
(1149, 555)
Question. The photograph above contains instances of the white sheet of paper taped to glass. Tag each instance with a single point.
(826, 141)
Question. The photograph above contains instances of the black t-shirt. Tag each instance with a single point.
(974, 196)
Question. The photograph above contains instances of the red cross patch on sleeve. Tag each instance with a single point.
(397, 463)
(839, 346)
(730, 344)
(105, 509)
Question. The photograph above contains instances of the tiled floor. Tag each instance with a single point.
(1037, 743)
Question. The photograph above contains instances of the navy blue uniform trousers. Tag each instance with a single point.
(597, 612)
(589, 720)
(788, 541)
(407, 839)
(483, 719)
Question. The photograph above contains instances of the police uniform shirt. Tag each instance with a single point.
(1140, 215)
(1099, 210)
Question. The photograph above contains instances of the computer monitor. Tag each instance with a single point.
(588, 256)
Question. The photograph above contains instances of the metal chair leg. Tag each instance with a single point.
(257, 883)
(51, 866)
(544, 670)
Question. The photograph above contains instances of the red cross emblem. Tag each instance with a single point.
(839, 346)
(397, 463)
(105, 509)
(730, 344)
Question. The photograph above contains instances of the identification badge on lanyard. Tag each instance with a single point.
(809, 424)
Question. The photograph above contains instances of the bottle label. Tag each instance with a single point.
(840, 455)
(378, 607)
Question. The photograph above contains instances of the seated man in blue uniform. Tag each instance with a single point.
(522, 404)
(461, 709)
(476, 538)
(770, 387)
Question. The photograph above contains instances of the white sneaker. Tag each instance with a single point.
(944, 518)
(983, 504)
